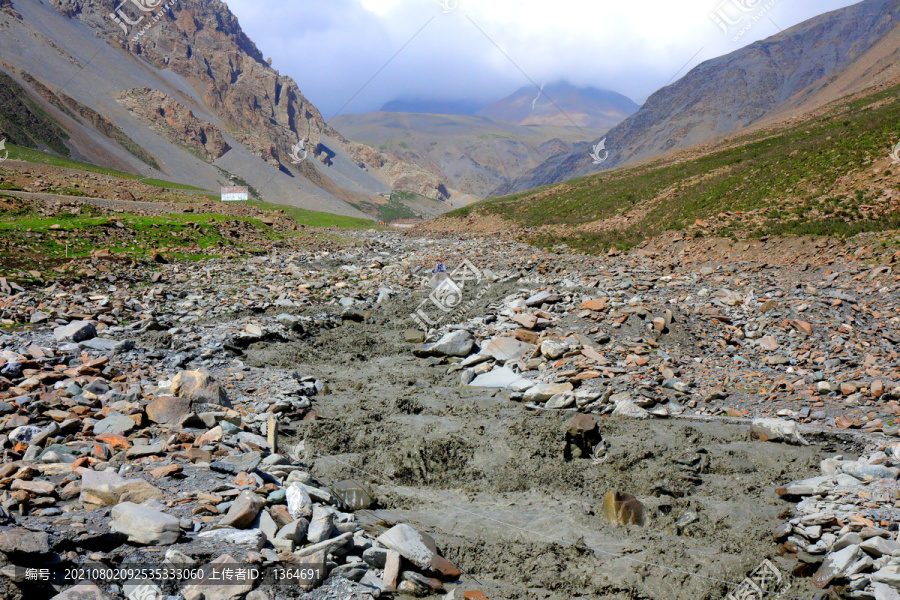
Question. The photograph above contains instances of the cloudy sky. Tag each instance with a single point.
(485, 49)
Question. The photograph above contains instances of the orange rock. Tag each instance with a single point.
(597, 305)
(529, 337)
(587, 375)
(802, 326)
(160, 472)
(474, 596)
(116, 440)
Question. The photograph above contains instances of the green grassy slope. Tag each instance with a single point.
(813, 178)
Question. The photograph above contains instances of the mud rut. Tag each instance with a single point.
(490, 482)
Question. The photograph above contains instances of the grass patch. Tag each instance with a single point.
(34, 241)
(43, 158)
(312, 218)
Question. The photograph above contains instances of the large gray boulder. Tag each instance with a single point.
(145, 525)
(458, 343)
(76, 331)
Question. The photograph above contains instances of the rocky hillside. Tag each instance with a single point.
(733, 91)
(831, 173)
(197, 99)
(474, 155)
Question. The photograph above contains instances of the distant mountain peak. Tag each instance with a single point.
(562, 103)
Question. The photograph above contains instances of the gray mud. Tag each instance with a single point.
(490, 480)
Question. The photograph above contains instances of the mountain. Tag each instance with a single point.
(789, 72)
(179, 92)
(832, 172)
(474, 154)
(433, 106)
(563, 105)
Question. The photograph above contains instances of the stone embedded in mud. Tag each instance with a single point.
(582, 436)
(501, 377)
(544, 391)
(630, 410)
(866, 472)
(417, 548)
(776, 430)
(414, 336)
(623, 509)
(506, 349)
(200, 386)
(456, 344)
(352, 495)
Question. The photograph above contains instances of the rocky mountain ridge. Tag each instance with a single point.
(733, 91)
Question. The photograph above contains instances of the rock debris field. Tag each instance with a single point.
(282, 425)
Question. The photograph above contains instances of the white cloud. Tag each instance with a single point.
(332, 48)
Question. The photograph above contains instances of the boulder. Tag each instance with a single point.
(417, 548)
(114, 423)
(553, 349)
(506, 349)
(76, 331)
(836, 566)
(629, 410)
(145, 525)
(298, 501)
(776, 430)
(544, 391)
(168, 410)
(243, 511)
(454, 344)
(17, 540)
(200, 386)
(321, 525)
(211, 587)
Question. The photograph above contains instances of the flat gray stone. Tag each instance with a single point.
(246, 462)
(417, 548)
(456, 344)
(76, 331)
(114, 423)
(145, 525)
